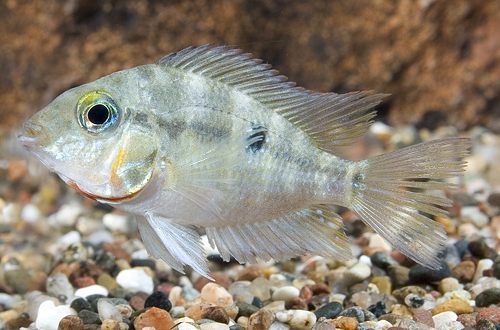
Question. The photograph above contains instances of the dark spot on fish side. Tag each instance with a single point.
(259, 133)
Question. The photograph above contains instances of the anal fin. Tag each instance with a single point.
(316, 230)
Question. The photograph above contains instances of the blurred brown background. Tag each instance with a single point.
(440, 59)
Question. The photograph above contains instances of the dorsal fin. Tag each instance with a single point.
(331, 120)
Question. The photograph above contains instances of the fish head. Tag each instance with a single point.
(98, 138)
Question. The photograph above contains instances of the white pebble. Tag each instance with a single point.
(472, 214)
(482, 265)
(69, 238)
(451, 325)
(49, 315)
(10, 213)
(184, 326)
(297, 319)
(65, 217)
(108, 311)
(140, 254)
(279, 326)
(376, 241)
(382, 325)
(286, 293)
(8, 300)
(135, 280)
(357, 273)
(214, 326)
(90, 290)
(121, 223)
(59, 285)
(443, 318)
(101, 236)
(30, 213)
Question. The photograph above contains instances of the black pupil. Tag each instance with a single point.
(98, 114)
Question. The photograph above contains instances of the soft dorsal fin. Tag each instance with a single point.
(331, 120)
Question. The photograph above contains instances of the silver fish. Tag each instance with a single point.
(211, 137)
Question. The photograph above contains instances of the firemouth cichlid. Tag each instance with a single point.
(212, 138)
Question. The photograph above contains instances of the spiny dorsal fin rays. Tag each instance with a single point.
(316, 230)
(331, 120)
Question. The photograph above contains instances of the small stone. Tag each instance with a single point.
(125, 310)
(89, 317)
(216, 294)
(472, 214)
(399, 275)
(488, 297)
(158, 299)
(298, 303)
(18, 279)
(444, 317)
(377, 309)
(468, 320)
(49, 315)
(485, 324)
(329, 311)
(236, 327)
(110, 325)
(83, 282)
(108, 311)
(345, 323)
(245, 309)
(250, 274)
(297, 319)
(458, 306)
(319, 300)
(71, 322)
(482, 265)
(219, 278)
(59, 285)
(423, 316)
(184, 326)
(286, 293)
(320, 288)
(80, 304)
(383, 260)
(207, 311)
(91, 290)
(107, 281)
(261, 320)
(323, 324)
(138, 300)
(490, 313)
(464, 271)
(154, 317)
(355, 312)
(402, 310)
(421, 274)
(135, 280)
(383, 284)
(448, 284)
(214, 326)
(261, 288)
(357, 273)
(452, 325)
(414, 300)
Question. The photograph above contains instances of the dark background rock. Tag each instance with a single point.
(439, 59)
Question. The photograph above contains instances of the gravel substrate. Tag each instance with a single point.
(70, 263)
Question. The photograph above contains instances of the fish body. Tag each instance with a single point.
(210, 137)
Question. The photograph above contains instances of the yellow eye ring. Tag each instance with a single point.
(97, 112)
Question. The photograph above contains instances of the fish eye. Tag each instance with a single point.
(97, 112)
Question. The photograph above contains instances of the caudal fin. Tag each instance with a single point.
(387, 194)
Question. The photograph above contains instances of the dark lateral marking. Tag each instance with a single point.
(257, 132)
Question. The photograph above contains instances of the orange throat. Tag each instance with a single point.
(73, 185)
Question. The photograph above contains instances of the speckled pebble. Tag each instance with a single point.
(490, 313)
(345, 323)
(261, 320)
(485, 324)
(424, 316)
(154, 317)
(297, 319)
(468, 320)
(488, 297)
(451, 325)
(465, 271)
(458, 306)
(207, 311)
(71, 322)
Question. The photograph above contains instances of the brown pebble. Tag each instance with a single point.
(117, 250)
(89, 269)
(207, 311)
(345, 323)
(317, 301)
(249, 274)
(391, 318)
(488, 272)
(110, 325)
(17, 169)
(83, 282)
(218, 277)
(306, 293)
(155, 317)
(37, 282)
(423, 316)
(468, 320)
(464, 271)
(71, 322)
(261, 320)
(490, 313)
(298, 303)
(458, 306)
(137, 301)
(320, 288)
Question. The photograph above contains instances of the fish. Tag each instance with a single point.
(210, 138)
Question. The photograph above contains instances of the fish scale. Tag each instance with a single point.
(211, 138)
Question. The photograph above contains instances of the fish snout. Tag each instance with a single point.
(33, 135)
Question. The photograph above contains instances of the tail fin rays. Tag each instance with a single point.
(382, 195)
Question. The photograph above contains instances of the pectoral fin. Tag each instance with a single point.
(176, 244)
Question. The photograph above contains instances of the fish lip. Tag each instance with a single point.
(32, 136)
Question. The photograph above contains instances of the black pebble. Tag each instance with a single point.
(106, 261)
(382, 260)
(158, 299)
(421, 274)
(245, 309)
(488, 297)
(462, 247)
(480, 249)
(378, 308)
(257, 302)
(330, 310)
(143, 263)
(356, 312)
(89, 317)
(80, 304)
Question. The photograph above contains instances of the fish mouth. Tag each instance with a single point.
(32, 136)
